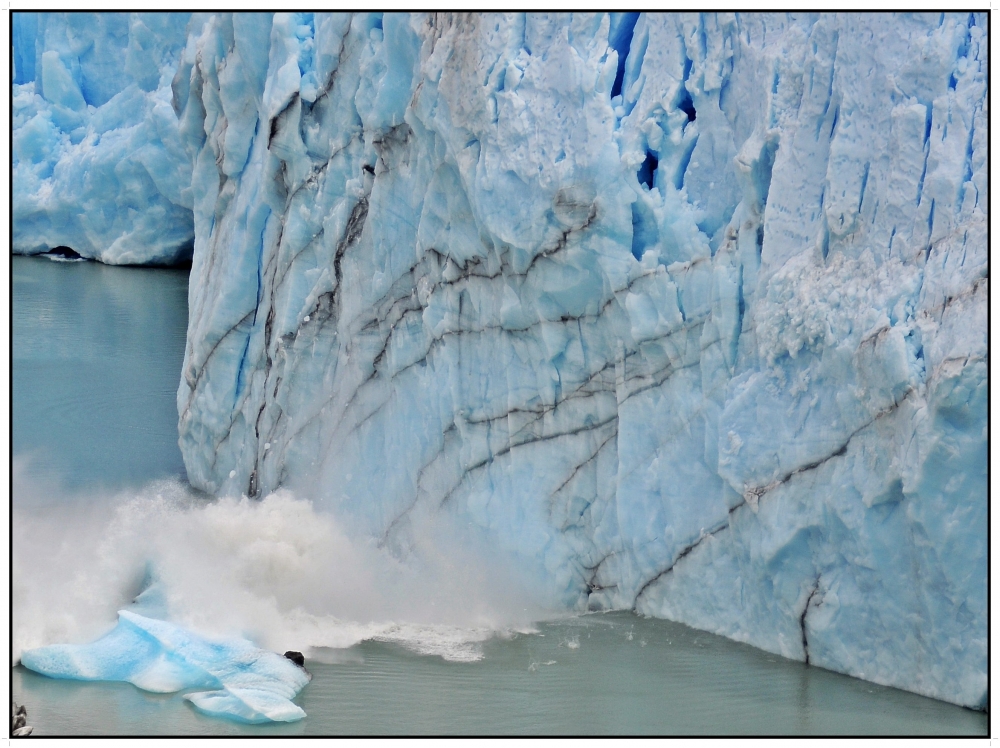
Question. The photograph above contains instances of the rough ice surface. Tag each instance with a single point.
(687, 311)
(246, 684)
(98, 161)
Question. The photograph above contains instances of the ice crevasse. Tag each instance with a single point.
(688, 312)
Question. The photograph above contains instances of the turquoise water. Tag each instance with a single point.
(665, 679)
(97, 354)
(97, 359)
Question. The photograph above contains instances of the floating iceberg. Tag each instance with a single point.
(246, 684)
(687, 311)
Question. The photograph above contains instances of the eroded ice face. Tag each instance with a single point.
(99, 164)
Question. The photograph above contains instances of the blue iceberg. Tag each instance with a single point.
(241, 682)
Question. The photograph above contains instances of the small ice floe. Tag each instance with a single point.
(572, 642)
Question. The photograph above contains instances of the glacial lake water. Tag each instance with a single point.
(97, 354)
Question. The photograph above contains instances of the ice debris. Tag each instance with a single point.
(234, 678)
(19, 727)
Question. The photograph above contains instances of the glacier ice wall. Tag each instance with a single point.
(98, 161)
(687, 311)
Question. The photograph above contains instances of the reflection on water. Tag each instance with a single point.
(97, 358)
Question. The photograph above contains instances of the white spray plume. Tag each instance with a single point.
(276, 571)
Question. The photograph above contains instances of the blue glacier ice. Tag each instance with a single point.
(246, 684)
(686, 311)
(99, 164)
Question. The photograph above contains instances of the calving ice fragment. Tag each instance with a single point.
(240, 681)
(687, 312)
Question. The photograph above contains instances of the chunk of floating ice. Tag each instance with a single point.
(253, 705)
(248, 684)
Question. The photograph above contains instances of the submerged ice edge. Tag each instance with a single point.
(687, 312)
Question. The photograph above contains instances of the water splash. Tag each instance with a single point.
(276, 571)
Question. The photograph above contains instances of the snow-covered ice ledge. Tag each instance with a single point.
(688, 311)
